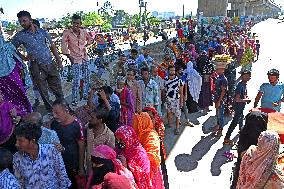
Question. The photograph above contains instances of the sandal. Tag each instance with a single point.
(188, 123)
(214, 129)
(219, 133)
(177, 132)
(229, 155)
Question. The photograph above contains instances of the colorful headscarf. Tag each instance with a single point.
(143, 126)
(150, 140)
(106, 152)
(136, 156)
(115, 181)
(260, 162)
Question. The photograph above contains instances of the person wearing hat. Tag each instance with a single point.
(272, 93)
(240, 100)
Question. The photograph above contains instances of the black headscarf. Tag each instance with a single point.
(100, 172)
(255, 123)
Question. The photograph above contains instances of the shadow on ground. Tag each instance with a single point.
(189, 162)
(211, 122)
(219, 160)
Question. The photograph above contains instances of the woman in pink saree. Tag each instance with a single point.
(137, 160)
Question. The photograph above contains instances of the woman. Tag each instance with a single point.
(150, 140)
(138, 162)
(126, 100)
(255, 123)
(11, 77)
(132, 84)
(194, 81)
(160, 129)
(205, 69)
(104, 154)
(259, 167)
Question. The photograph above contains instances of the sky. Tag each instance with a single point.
(58, 8)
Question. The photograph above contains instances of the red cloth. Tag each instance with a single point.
(275, 121)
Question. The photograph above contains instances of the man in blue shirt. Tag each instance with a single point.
(36, 165)
(144, 60)
(38, 45)
(239, 105)
(272, 93)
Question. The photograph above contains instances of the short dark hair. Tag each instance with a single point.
(29, 131)
(144, 69)
(131, 70)
(134, 51)
(76, 17)
(24, 13)
(107, 89)
(6, 159)
(36, 22)
(101, 112)
(63, 103)
(171, 66)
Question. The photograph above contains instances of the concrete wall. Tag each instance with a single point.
(212, 8)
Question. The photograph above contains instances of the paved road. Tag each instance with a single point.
(195, 159)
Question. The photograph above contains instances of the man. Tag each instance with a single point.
(106, 98)
(241, 99)
(272, 93)
(174, 98)
(71, 135)
(98, 133)
(221, 87)
(145, 60)
(48, 136)
(119, 67)
(38, 44)
(7, 179)
(36, 165)
(150, 91)
(74, 42)
(160, 83)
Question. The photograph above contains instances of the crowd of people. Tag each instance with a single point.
(116, 139)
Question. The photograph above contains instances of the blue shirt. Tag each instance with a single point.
(8, 180)
(271, 94)
(241, 90)
(150, 93)
(46, 172)
(36, 44)
(48, 136)
(142, 59)
(220, 82)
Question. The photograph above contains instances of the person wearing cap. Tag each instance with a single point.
(272, 93)
(240, 101)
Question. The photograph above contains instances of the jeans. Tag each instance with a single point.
(220, 115)
(238, 119)
(78, 70)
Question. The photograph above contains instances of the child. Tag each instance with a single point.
(174, 97)
(7, 179)
(257, 47)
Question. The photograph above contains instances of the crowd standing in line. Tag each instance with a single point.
(116, 139)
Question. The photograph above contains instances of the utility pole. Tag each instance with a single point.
(140, 16)
(183, 10)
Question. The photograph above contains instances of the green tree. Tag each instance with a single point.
(92, 19)
(121, 18)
